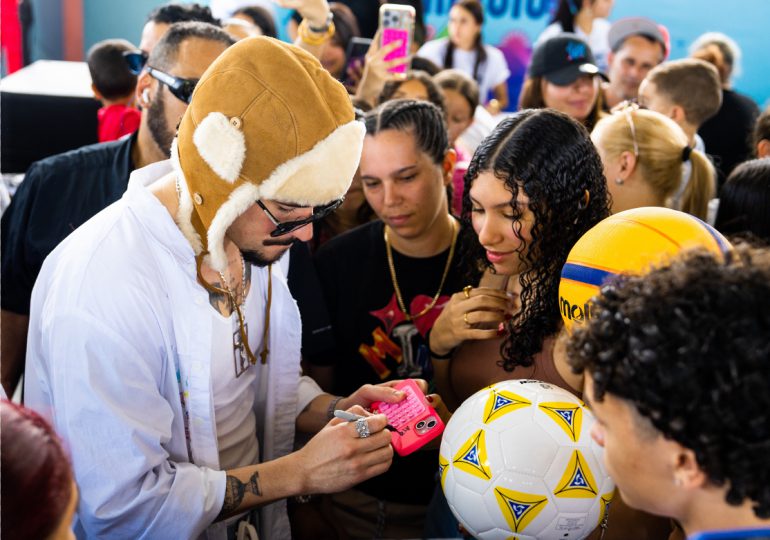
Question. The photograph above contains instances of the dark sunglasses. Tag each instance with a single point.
(286, 227)
(181, 88)
(135, 60)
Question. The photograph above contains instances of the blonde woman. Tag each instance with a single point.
(643, 153)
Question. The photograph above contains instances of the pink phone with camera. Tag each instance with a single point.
(416, 423)
(397, 23)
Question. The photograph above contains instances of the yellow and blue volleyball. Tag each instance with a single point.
(629, 242)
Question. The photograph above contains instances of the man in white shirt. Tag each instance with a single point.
(164, 344)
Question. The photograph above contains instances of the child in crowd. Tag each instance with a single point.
(563, 75)
(689, 92)
(461, 96)
(642, 152)
(113, 84)
(676, 374)
(465, 50)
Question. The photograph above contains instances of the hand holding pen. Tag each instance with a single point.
(362, 427)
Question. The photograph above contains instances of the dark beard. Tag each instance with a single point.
(256, 257)
(156, 121)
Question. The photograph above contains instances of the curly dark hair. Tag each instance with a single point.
(550, 157)
(688, 346)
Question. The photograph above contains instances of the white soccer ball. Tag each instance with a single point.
(517, 460)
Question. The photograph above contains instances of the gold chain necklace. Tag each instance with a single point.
(235, 306)
(393, 278)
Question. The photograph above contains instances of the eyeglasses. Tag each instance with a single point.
(181, 88)
(135, 60)
(286, 227)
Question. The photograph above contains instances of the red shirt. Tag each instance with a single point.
(116, 121)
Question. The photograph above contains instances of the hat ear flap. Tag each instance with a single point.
(221, 144)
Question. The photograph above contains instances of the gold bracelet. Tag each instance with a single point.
(310, 38)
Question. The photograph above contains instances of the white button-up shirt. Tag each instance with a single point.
(119, 360)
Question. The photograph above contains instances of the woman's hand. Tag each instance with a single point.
(314, 12)
(376, 69)
(474, 313)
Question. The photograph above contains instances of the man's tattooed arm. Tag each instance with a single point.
(235, 490)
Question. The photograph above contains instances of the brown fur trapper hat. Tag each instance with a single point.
(266, 121)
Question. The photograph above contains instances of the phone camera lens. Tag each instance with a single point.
(431, 424)
(420, 424)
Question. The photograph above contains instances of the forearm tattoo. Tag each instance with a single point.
(235, 490)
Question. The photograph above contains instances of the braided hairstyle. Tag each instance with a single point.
(477, 12)
(550, 157)
(423, 119)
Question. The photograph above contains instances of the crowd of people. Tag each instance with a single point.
(268, 233)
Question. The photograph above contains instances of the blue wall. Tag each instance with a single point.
(511, 24)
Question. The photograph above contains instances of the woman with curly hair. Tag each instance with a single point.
(534, 186)
(676, 374)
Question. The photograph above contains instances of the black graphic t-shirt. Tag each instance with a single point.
(374, 340)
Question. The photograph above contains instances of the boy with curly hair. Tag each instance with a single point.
(676, 374)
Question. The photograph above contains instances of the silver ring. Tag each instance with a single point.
(362, 428)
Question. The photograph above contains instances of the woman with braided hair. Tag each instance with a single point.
(385, 283)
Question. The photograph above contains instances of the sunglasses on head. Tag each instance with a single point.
(181, 88)
(135, 60)
(286, 227)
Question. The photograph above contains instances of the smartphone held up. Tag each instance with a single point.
(397, 24)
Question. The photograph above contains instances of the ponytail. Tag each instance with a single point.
(702, 186)
(565, 14)
(481, 56)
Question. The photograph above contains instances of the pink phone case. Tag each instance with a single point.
(415, 421)
(397, 23)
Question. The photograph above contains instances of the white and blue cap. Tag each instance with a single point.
(562, 59)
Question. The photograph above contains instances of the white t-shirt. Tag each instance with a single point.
(492, 72)
(234, 396)
(597, 40)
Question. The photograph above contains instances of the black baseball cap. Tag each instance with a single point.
(562, 59)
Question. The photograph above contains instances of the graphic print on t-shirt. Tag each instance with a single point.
(399, 344)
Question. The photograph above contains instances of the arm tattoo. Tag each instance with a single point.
(235, 491)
